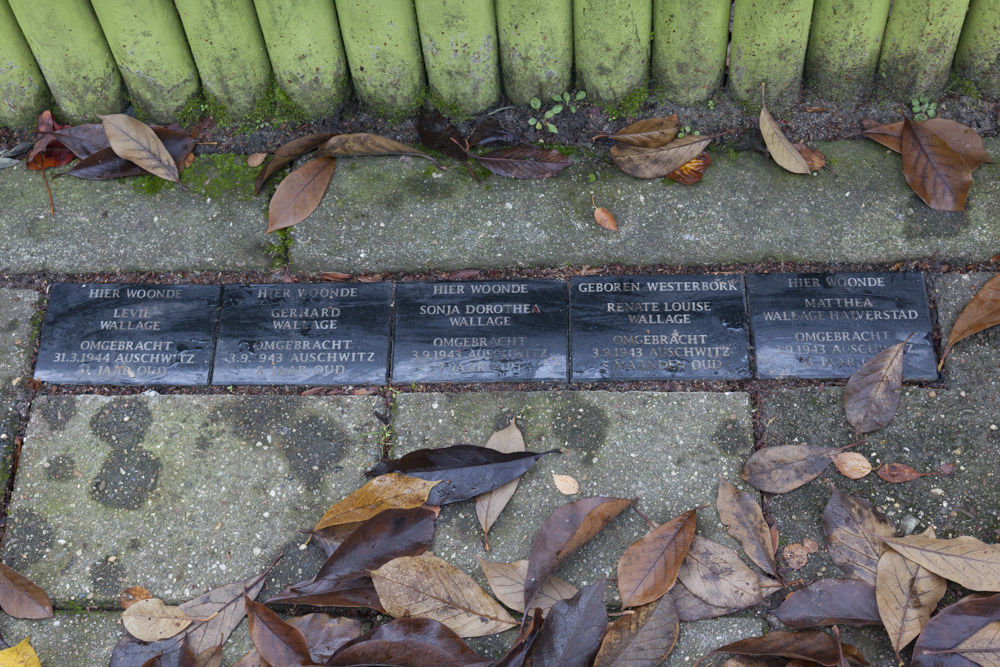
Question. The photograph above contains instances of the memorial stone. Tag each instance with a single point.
(128, 334)
(659, 328)
(491, 331)
(827, 325)
(304, 334)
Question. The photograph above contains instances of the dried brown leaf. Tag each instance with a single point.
(394, 490)
(852, 528)
(22, 598)
(151, 620)
(566, 485)
(524, 162)
(649, 567)
(659, 161)
(829, 602)
(716, 574)
(936, 646)
(811, 645)
(743, 518)
(982, 312)
(572, 633)
(964, 559)
(490, 505)
(132, 595)
(781, 149)
(429, 587)
(814, 158)
(605, 219)
(646, 133)
(907, 595)
(287, 154)
(300, 193)
(277, 642)
(934, 170)
(691, 171)
(963, 139)
(797, 555)
(642, 639)
(785, 468)
(256, 159)
(364, 143)
(506, 580)
(898, 473)
(871, 396)
(136, 142)
(852, 465)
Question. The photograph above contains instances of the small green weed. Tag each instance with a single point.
(561, 101)
(687, 130)
(711, 105)
(923, 107)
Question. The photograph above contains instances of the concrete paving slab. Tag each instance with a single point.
(179, 494)
(931, 428)
(136, 224)
(86, 639)
(974, 362)
(669, 450)
(17, 310)
(403, 215)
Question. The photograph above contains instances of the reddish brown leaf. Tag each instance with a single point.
(982, 312)
(464, 274)
(363, 143)
(335, 276)
(48, 151)
(642, 639)
(131, 595)
(648, 568)
(416, 632)
(830, 601)
(787, 467)
(796, 555)
(871, 396)
(646, 133)
(563, 532)
(300, 193)
(83, 140)
(524, 162)
(933, 169)
(809, 645)
(603, 217)
(436, 132)
(962, 138)
(20, 597)
(276, 641)
(852, 465)
(898, 473)
(691, 171)
(815, 159)
(287, 153)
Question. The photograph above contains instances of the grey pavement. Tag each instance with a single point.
(401, 214)
(974, 362)
(179, 494)
(17, 318)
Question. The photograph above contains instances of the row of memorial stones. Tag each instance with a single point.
(807, 325)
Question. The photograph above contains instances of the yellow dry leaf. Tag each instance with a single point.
(21, 655)
(392, 491)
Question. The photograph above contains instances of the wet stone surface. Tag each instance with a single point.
(669, 450)
(179, 493)
(128, 334)
(86, 639)
(931, 428)
(974, 362)
(659, 327)
(815, 325)
(17, 307)
(489, 331)
(304, 334)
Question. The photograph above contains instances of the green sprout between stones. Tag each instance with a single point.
(687, 130)
(923, 107)
(561, 101)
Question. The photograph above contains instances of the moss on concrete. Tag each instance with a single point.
(221, 176)
(629, 106)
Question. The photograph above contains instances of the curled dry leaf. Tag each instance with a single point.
(982, 312)
(852, 465)
(871, 396)
(300, 193)
(796, 556)
(525, 162)
(420, 641)
(933, 169)
(852, 528)
(566, 485)
(649, 567)
(22, 598)
(646, 133)
(489, 505)
(465, 471)
(963, 139)
(716, 574)
(572, 633)
(287, 154)
(781, 149)
(907, 595)
(334, 276)
(787, 467)
(506, 580)
(829, 602)
(604, 217)
(562, 533)
(151, 620)
(691, 171)
(20, 655)
(393, 490)
(898, 473)
(364, 143)
(429, 587)
(642, 639)
(743, 518)
(136, 142)
(964, 560)
(950, 627)
(658, 161)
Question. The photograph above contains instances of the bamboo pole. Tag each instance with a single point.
(611, 39)
(690, 70)
(536, 48)
(23, 93)
(978, 54)
(844, 44)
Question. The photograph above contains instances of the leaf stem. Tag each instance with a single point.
(52, 209)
